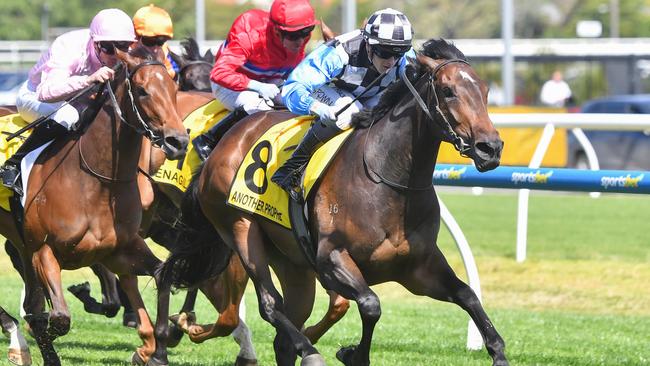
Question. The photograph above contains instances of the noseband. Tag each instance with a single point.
(143, 127)
(451, 135)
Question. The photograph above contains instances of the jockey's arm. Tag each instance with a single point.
(317, 69)
(232, 56)
(57, 82)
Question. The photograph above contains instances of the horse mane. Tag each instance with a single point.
(433, 48)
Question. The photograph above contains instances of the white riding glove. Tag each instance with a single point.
(265, 90)
(324, 112)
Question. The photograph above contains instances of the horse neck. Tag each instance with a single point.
(402, 147)
(115, 148)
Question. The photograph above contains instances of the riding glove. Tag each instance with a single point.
(324, 112)
(265, 90)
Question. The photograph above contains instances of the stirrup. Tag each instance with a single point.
(10, 176)
(202, 147)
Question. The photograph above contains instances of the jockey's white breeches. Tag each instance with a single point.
(249, 100)
(30, 108)
(339, 98)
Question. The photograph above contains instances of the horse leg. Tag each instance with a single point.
(434, 277)
(49, 271)
(338, 306)
(18, 349)
(249, 241)
(129, 284)
(225, 293)
(183, 319)
(135, 258)
(110, 304)
(298, 288)
(339, 272)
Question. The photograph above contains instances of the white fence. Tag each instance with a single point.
(548, 121)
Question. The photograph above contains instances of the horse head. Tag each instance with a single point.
(152, 95)
(457, 101)
(194, 73)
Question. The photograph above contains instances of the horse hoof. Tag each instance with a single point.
(241, 361)
(175, 336)
(345, 354)
(79, 288)
(154, 362)
(130, 320)
(502, 362)
(20, 358)
(136, 360)
(314, 359)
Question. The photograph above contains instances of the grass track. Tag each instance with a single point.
(580, 299)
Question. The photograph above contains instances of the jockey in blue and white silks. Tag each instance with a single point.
(362, 63)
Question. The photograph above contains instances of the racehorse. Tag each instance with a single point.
(194, 73)
(82, 203)
(374, 215)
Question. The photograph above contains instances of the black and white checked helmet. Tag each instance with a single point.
(388, 27)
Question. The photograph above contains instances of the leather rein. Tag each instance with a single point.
(142, 128)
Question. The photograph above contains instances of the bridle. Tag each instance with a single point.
(444, 124)
(142, 128)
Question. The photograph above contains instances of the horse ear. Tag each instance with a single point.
(427, 61)
(180, 61)
(209, 56)
(126, 58)
(326, 32)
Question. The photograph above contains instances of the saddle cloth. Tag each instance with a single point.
(179, 173)
(8, 125)
(252, 190)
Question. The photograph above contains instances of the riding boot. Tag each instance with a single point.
(41, 134)
(203, 144)
(289, 174)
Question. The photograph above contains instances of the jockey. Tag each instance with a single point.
(336, 73)
(74, 61)
(154, 28)
(259, 53)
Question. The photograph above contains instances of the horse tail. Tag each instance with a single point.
(200, 253)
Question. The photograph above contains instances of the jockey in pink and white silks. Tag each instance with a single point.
(74, 61)
(336, 73)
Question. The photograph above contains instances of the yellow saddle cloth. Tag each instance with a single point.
(252, 190)
(179, 173)
(8, 125)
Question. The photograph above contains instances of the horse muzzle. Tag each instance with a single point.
(487, 154)
(175, 146)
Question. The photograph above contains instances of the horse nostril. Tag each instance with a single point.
(179, 143)
(485, 148)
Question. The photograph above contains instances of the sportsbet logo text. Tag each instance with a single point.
(536, 177)
(621, 181)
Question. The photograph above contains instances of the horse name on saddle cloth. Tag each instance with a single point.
(8, 125)
(179, 173)
(252, 190)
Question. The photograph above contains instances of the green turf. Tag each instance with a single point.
(580, 299)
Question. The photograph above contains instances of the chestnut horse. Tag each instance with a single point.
(386, 218)
(83, 206)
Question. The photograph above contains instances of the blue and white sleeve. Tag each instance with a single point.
(404, 61)
(317, 69)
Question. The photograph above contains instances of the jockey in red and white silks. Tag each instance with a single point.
(261, 49)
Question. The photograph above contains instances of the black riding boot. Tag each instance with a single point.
(203, 144)
(41, 134)
(289, 174)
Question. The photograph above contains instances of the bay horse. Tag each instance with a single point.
(374, 216)
(82, 203)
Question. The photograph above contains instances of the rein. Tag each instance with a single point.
(445, 125)
(142, 129)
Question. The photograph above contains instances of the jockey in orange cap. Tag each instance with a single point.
(154, 28)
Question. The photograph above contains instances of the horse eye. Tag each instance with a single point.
(142, 92)
(447, 92)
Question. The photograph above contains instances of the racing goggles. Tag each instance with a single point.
(387, 52)
(154, 41)
(296, 35)
(108, 47)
